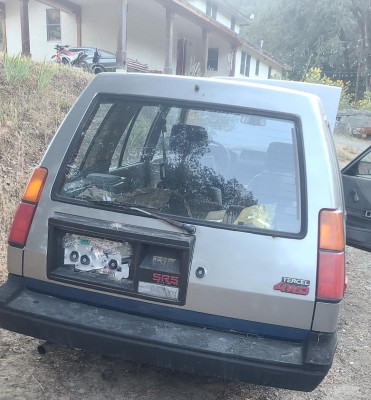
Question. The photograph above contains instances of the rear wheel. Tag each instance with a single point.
(97, 69)
(84, 65)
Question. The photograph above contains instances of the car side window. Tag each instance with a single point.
(364, 166)
(360, 168)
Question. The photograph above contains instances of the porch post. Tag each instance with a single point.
(3, 27)
(169, 41)
(233, 66)
(78, 28)
(205, 51)
(25, 29)
(121, 53)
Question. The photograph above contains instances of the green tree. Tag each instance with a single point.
(315, 33)
(361, 10)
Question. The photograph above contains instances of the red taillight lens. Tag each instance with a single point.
(21, 224)
(331, 275)
(26, 209)
(331, 260)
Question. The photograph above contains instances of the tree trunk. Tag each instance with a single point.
(362, 14)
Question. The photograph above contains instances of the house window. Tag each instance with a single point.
(270, 73)
(211, 9)
(53, 24)
(245, 64)
(212, 59)
(233, 24)
(257, 67)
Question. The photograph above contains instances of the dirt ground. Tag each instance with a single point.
(64, 373)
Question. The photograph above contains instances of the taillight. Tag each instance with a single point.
(27, 207)
(331, 261)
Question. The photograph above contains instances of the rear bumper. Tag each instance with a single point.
(291, 365)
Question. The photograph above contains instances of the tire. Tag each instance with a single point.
(84, 66)
(97, 69)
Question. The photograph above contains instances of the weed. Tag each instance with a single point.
(46, 74)
(9, 114)
(17, 68)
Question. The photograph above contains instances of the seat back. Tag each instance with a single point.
(276, 183)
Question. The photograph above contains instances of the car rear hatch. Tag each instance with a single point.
(236, 175)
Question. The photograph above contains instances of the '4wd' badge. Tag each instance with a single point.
(293, 285)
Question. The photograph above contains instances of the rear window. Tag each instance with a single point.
(235, 170)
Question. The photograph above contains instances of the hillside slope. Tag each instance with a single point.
(29, 117)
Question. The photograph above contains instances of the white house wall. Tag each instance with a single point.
(147, 35)
(223, 19)
(38, 31)
(99, 27)
(200, 4)
(263, 67)
(39, 46)
(221, 16)
(224, 60)
(13, 27)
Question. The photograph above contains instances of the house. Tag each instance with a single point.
(199, 37)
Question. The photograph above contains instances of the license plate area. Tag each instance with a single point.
(128, 260)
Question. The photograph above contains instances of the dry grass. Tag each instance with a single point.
(29, 117)
(346, 153)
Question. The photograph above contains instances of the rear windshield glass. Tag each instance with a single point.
(237, 170)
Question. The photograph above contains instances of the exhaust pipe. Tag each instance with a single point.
(45, 347)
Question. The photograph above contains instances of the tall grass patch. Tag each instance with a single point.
(46, 74)
(17, 68)
(34, 99)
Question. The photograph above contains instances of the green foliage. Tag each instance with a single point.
(315, 75)
(365, 103)
(314, 33)
(46, 74)
(17, 68)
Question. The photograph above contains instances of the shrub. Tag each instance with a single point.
(315, 76)
(365, 103)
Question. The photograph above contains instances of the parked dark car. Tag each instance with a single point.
(104, 61)
(98, 60)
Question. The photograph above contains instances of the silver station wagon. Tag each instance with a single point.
(194, 224)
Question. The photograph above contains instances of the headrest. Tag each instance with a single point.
(188, 140)
(280, 157)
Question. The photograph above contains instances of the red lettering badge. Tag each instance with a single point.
(165, 279)
(300, 289)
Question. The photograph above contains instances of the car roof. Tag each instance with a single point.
(234, 93)
(329, 95)
(91, 48)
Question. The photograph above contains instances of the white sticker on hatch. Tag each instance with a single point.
(100, 255)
